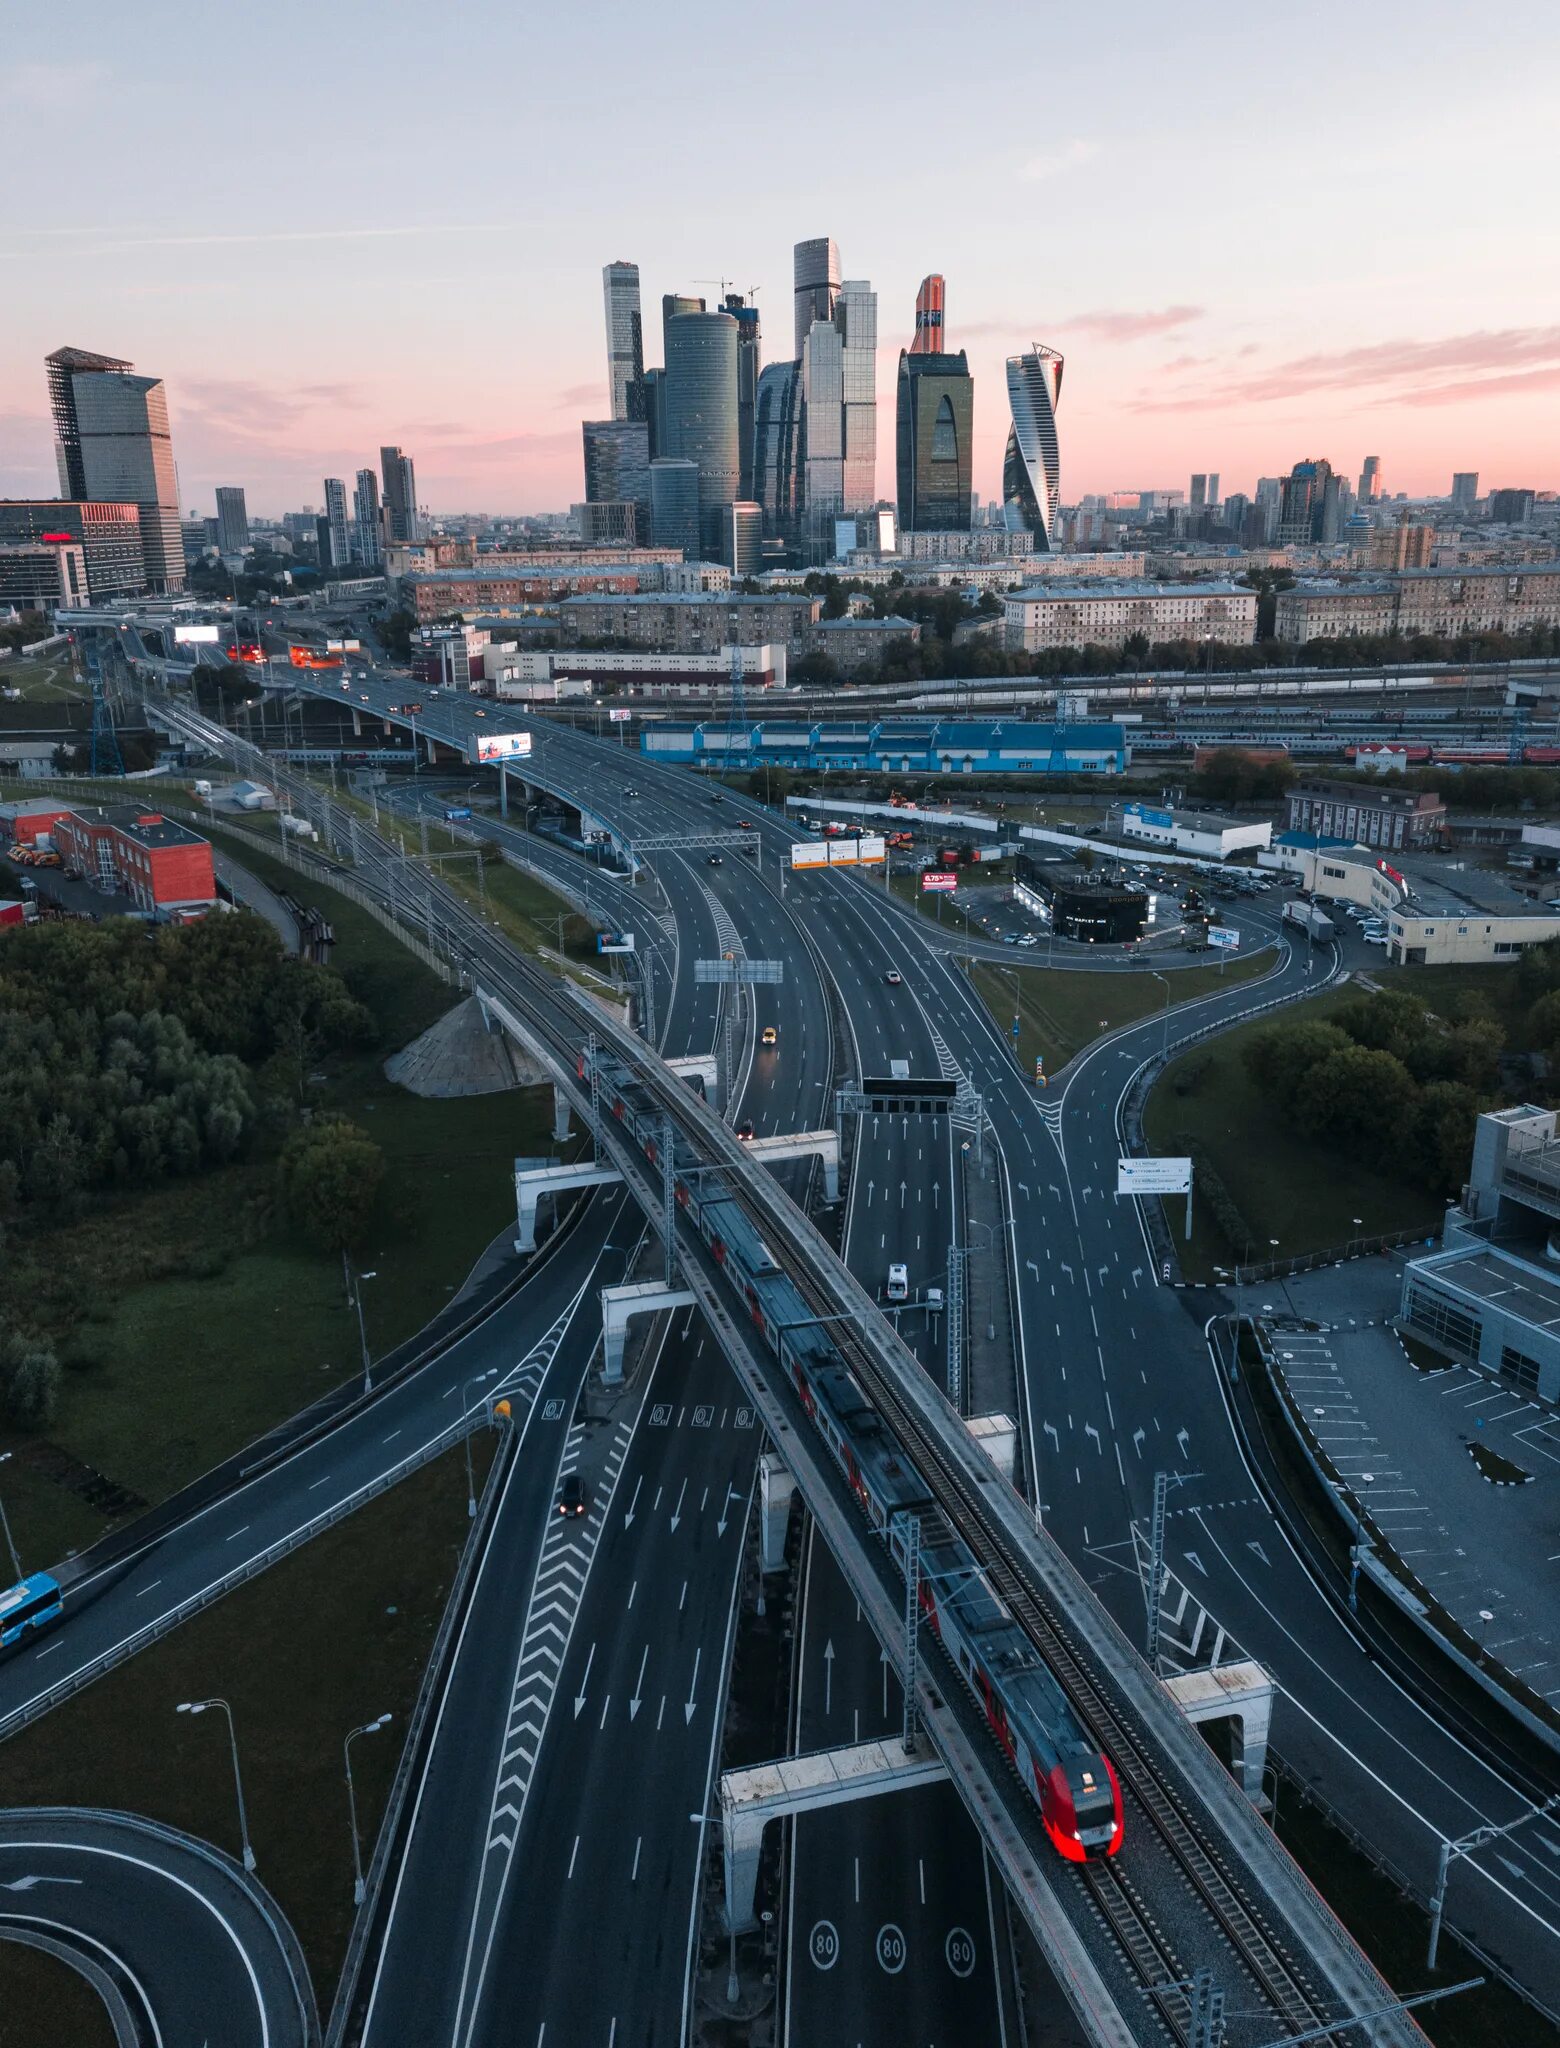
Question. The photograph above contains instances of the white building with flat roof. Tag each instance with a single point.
(1109, 614)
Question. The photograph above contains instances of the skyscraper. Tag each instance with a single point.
(113, 439)
(1308, 505)
(1213, 487)
(232, 520)
(823, 434)
(1370, 480)
(336, 524)
(365, 510)
(779, 450)
(815, 273)
(625, 341)
(674, 505)
(855, 315)
(673, 306)
(1199, 497)
(1465, 489)
(934, 425)
(400, 481)
(930, 336)
(701, 411)
(1032, 466)
(748, 345)
(617, 464)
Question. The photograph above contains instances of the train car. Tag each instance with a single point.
(1061, 1766)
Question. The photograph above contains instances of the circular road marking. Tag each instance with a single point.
(823, 1945)
(891, 1948)
(959, 1948)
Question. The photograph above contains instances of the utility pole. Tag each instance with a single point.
(1461, 1847)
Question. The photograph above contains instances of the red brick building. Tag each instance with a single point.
(161, 866)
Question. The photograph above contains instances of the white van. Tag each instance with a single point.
(899, 1283)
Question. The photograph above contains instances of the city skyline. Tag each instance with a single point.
(1178, 357)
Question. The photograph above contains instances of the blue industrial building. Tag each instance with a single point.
(894, 746)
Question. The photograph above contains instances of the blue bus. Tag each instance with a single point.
(32, 1604)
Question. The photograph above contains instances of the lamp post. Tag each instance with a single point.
(465, 1401)
(200, 1707)
(10, 1544)
(357, 1302)
(1164, 1040)
(368, 1728)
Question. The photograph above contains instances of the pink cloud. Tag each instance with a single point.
(1404, 364)
(1128, 326)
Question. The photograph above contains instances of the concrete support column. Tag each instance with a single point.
(619, 1305)
(776, 1487)
(743, 1835)
(1241, 1694)
(560, 1128)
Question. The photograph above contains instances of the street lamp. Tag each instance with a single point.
(357, 1302)
(1164, 1042)
(16, 1562)
(465, 1401)
(368, 1728)
(200, 1707)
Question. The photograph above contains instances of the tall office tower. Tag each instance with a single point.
(1303, 513)
(232, 520)
(63, 367)
(748, 346)
(823, 435)
(1370, 480)
(779, 450)
(934, 427)
(674, 505)
(930, 336)
(1235, 508)
(741, 530)
(1465, 489)
(701, 412)
(1512, 507)
(112, 440)
(625, 341)
(815, 271)
(1199, 491)
(1032, 465)
(400, 482)
(673, 306)
(617, 464)
(855, 315)
(365, 510)
(336, 524)
(1213, 487)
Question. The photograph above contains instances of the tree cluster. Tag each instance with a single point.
(1385, 1078)
(1234, 776)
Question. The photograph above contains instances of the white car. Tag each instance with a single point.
(899, 1283)
(1375, 938)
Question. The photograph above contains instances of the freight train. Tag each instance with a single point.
(1058, 1762)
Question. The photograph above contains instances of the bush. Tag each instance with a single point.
(29, 1382)
(331, 1173)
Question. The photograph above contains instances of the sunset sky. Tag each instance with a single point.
(1329, 230)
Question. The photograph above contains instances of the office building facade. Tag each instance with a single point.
(815, 275)
(232, 520)
(674, 505)
(40, 575)
(338, 539)
(930, 338)
(1309, 512)
(625, 341)
(742, 529)
(365, 514)
(1465, 489)
(749, 351)
(855, 315)
(113, 446)
(701, 412)
(617, 465)
(62, 369)
(401, 522)
(1370, 481)
(109, 537)
(779, 451)
(934, 427)
(1032, 465)
(1512, 508)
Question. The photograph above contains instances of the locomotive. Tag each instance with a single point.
(1058, 1762)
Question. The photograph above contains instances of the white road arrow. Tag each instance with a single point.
(902, 1186)
(731, 1495)
(828, 1674)
(26, 1884)
(635, 1702)
(579, 1697)
(871, 1184)
(689, 1706)
(628, 1519)
(677, 1511)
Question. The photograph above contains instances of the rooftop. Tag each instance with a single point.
(681, 597)
(1128, 586)
(145, 827)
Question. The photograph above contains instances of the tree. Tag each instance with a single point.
(1279, 1058)
(1543, 1026)
(331, 1173)
(1442, 1140)
(1361, 1096)
(29, 1381)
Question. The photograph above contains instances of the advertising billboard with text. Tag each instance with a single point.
(933, 881)
(499, 746)
(196, 636)
(614, 942)
(619, 717)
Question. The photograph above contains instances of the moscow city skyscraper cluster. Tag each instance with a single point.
(709, 446)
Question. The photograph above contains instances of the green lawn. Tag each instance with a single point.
(1283, 1185)
(41, 678)
(1061, 1010)
(329, 1639)
(190, 1318)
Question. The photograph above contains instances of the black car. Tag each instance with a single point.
(573, 1496)
(714, 860)
(745, 1129)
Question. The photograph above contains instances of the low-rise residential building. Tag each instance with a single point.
(443, 592)
(693, 622)
(854, 644)
(1367, 814)
(1444, 602)
(1109, 614)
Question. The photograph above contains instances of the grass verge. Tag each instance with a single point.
(44, 2003)
(1284, 1186)
(1061, 1010)
(190, 1318)
(331, 1638)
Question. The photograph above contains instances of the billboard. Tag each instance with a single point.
(499, 746)
(852, 852)
(620, 717)
(197, 636)
(932, 881)
(1225, 936)
(614, 942)
(810, 853)
(343, 646)
(1148, 814)
(1153, 1176)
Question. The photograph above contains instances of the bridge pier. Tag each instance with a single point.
(619, 1305)
(532, 1182)
(750, 1798)
(698, 1066)
(776, 1487)
(1242, 1693)
(796, 1145)
(560, 1128)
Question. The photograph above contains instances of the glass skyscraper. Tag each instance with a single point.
(1032, 467)
(232, 519)
(934, 425)
(625, 341)
(401, 521)
(365, 511)
(617, 464)
(855, 315)
(701, 412)
(779, 450)
(336, 523)
(674, 505)
(815, 271)
(125, 454)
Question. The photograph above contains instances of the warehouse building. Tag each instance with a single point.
(1491, 1295)
(161, 866)
(1201, 833)
(900, 746)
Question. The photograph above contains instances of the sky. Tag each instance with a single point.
(1327, 230)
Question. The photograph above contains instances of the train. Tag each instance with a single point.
(1427, 753)
(1060, 1765)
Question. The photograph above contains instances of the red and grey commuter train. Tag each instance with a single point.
(1058, 1762)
